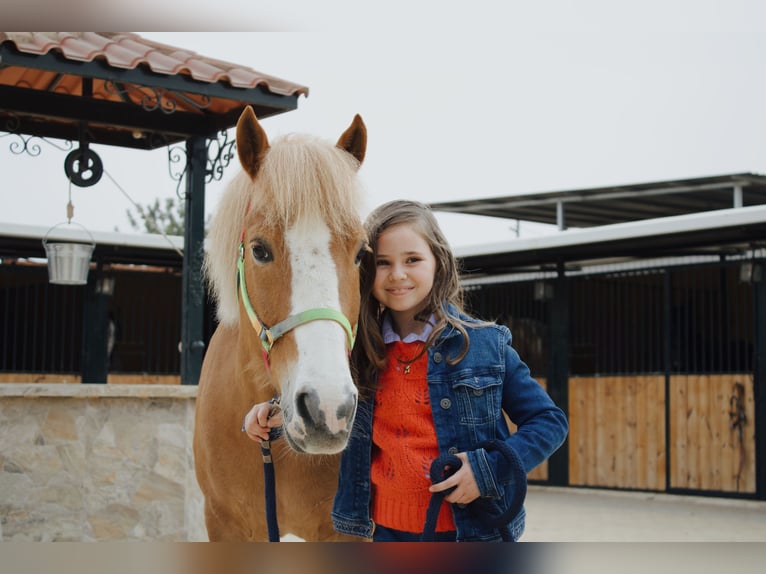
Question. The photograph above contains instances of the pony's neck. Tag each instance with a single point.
(253, 366)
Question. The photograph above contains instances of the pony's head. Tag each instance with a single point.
(283, 259)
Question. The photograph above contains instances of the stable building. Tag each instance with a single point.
(644, 316)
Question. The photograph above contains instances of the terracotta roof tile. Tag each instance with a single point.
(128, 50)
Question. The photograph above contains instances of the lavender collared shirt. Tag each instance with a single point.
(390, 336)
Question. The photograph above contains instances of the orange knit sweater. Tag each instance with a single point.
(404, 444)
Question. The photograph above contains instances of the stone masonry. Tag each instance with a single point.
(106, 462)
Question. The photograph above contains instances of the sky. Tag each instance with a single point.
(496, 100)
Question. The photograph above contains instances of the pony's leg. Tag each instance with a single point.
(222, 527)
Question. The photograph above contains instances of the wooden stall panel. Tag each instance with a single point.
(617, 432)
(712, 432)
(540, 472)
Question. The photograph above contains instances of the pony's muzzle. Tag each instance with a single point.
(324, 427)
(310, 409)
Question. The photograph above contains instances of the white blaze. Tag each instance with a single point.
(322, 345)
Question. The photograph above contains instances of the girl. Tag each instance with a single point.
(432, 380)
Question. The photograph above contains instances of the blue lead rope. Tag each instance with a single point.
(269, 482)
(442, 467)
(270, 490)
(446, 465)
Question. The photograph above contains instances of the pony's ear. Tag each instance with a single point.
(251, 142)
(354, 139)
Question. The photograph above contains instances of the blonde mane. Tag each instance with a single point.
(301, 176)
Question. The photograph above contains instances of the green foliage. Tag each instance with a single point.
(167, 217)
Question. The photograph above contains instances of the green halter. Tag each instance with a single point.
(268, 335)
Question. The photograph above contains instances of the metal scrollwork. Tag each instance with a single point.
(177, 158)
(152, 98)
(219, 154)
(12, 124)
(25, 144)
(220, 151)
(28, 144)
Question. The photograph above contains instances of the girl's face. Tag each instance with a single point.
(405, 268)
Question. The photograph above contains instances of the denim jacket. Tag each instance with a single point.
(467, 402)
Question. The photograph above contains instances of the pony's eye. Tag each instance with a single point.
(365, 248)
(261, 252)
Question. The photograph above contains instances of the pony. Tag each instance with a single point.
(282, 260)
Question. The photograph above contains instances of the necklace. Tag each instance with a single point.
(407, 362)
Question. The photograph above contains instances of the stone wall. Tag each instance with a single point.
(98, 463)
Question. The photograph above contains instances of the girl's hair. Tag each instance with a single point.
(444, 302)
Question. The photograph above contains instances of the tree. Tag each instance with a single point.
(158, 218)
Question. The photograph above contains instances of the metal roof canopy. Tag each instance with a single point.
(729, 231)
(121, 89)
(622, 203)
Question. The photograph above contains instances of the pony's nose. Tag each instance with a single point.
(307, 405)
(308, 408)
(346, 410)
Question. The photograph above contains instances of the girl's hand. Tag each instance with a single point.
(260, 420)
(466, 490)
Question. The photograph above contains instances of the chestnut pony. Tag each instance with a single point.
(282, 259)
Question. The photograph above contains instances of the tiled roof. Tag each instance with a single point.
(126, 90)
(129, 50)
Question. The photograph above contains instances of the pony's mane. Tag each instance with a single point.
(300, 176)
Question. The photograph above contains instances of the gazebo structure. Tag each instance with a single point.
(123, 90)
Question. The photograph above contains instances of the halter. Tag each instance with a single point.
(268, 335)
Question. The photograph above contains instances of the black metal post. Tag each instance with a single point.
(759, 385)
(193, 298)
(668, 357)
(558, 379)
(95, 344)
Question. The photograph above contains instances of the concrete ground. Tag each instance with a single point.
(588, 515)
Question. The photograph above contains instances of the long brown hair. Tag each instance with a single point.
(444, 302)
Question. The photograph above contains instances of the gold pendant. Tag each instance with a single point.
(406, 369)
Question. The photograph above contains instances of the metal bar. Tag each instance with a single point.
(5, 276)
(45, 365)
(759, 384)
(641, 322)
(558, 379)
(163, 308)
(737, 303)
(15, 329)
(575, 196)
(148, 332)
(24, 334)
(611, 332)
(667, 301)
(737, 196)
(7, 326)
(54, 82)
(602, 318)
(633, 298)
(722, 305)
(34, 362)
(193, 296)
(116, 114)
(692, 331)
(76, 328)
